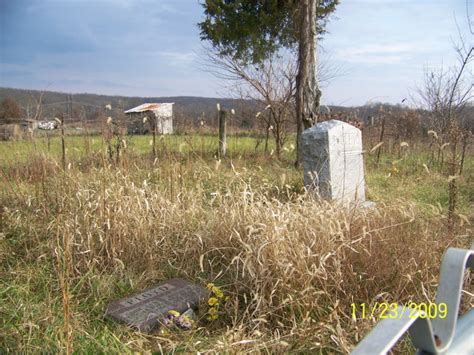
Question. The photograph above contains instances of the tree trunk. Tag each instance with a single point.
(278, 140)
(299, 130)
(307, 90)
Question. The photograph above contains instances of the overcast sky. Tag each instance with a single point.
(152, 48)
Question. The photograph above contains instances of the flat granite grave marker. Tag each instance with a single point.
(146, 309)
(332, 161)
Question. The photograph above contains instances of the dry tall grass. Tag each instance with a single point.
(292, 265)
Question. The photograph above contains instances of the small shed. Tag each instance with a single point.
(160, 113)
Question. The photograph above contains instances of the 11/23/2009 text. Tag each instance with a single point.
(383, 310)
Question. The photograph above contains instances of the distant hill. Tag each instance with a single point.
(54, 103)
(189, 107)
(188, 110)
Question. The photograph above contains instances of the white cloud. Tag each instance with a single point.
(378, 54)
(383, 3)
(384, 48)
(181, 58)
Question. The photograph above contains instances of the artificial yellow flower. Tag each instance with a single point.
(212, 317)
(212, 301)
(217, 291)
(174, 313)
(212, 314)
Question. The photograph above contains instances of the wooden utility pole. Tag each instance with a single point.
(222, 133)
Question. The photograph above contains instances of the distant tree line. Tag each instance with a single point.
(188, 111)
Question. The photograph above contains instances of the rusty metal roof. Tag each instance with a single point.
(148, 107)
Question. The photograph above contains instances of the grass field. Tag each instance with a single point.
(80, 146)
(74, 240)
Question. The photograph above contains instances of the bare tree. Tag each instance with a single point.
(34, 107)
(447, 94)
(271, 83)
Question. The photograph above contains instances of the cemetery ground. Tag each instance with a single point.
(74, 240)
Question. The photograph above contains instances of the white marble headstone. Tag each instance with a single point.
(332, 161)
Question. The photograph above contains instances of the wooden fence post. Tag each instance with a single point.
(381, 140)
(63, 144)
(222, 133)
